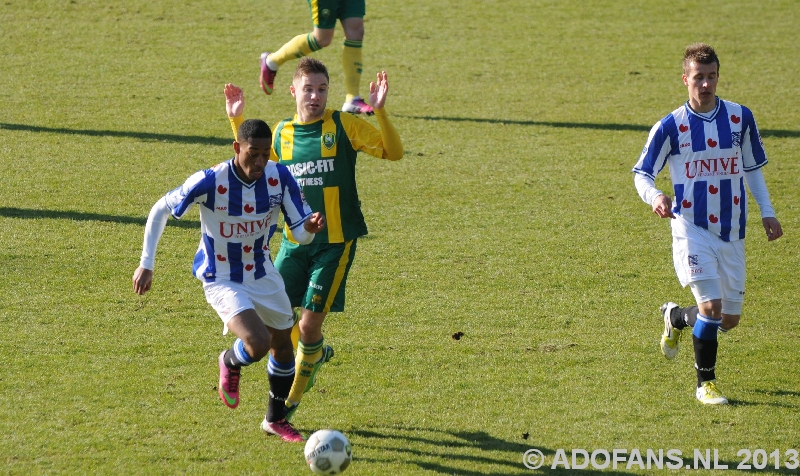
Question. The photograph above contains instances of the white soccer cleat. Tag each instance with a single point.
(708, 394)
(671, 336)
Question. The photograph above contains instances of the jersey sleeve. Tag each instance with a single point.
(156, 222)
(294, 207)
(753, 154)
(197, 189)
(235, 123)
(383, 143)
(655, 152)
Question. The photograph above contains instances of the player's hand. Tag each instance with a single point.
(234, 100)
(662, 206)
(315, 223)
(378, 90)
(773, 228)
(142, 280)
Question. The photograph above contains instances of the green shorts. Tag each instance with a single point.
(315, 275)
(324, 13)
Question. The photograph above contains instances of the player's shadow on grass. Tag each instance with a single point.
(779, 133)
(144, 136)
(85, 216)
(445, 452)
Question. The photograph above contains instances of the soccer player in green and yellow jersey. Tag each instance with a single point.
(320, 146)
(324, 14)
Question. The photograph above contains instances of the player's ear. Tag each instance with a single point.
(236, 147)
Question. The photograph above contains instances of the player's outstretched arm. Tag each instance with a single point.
(378, 91)
(773, 228)
(390, 140)
(142, 280)
(234, 100)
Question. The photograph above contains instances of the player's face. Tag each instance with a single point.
(251, 158)
(701, 80)
(311, 95)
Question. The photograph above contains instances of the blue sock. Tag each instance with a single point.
(236, 356)
(704, 338)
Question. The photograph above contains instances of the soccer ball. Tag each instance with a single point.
(328, 452)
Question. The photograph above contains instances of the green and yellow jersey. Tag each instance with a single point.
(322, 157)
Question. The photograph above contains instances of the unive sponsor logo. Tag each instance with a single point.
(246, 229)
(311, 167)
(710, 167)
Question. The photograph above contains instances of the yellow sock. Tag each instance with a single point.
(296, 314)
(307, 356)
(351, 63)
(297, 47)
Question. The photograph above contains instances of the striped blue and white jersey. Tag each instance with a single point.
(238, 219)
(707, 156)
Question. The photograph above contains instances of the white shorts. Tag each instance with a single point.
(266, 296)
(699, 254)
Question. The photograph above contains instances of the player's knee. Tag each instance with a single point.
(711, 309)
(355, 34)
(256, 346)
(353, 28)
(729, 321)
(323, 38)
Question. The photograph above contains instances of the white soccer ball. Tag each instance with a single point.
(328, 452)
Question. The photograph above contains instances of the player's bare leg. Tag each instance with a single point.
(251, 345)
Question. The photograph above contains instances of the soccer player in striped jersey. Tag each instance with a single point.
(239, 202)
(324, 14)
(713, 149)
(320, 146)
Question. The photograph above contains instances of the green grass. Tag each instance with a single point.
(512, 219)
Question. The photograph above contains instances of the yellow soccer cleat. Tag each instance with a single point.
(708, 394)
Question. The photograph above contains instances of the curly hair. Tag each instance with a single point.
(254, 129)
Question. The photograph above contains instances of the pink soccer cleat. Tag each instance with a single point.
(228, 383)
(358, 106)
(267, 78)
(284, 429)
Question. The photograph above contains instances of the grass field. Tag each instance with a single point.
(512, 219)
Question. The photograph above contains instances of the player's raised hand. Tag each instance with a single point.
(142, 280)
(315, 223)
(234, 100)
(662, 206)
(773, 228)
(378, 90)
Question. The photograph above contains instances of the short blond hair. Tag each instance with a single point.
(699, 53)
